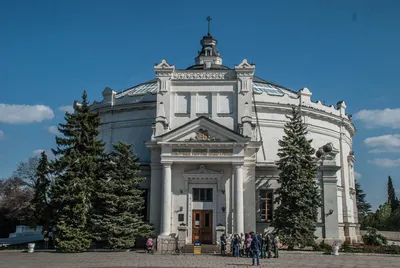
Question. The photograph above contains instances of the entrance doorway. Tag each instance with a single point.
(202, 222)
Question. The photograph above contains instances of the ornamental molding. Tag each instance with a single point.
(245, 74)
(164, 74)
(245, 65)
(203, 75)
(202, 135)
(313, 113)
(202, 173)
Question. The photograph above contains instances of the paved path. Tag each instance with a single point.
(131, 259)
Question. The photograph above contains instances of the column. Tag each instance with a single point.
(238, 200)
(155, 196)
(330, 206)
(166, 200)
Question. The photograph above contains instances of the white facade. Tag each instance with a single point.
(207, 138)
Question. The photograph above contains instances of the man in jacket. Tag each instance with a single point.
(255, 249)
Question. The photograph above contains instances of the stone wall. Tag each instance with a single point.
(391, 236)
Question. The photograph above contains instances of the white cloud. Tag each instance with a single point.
(357, 175)
(66, 108)
(53, 130)
(48, 152)
(20, 114)
(379, 118)
(385, 162)
(2, 135)
(384, 144)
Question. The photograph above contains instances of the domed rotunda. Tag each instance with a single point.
(207, 141)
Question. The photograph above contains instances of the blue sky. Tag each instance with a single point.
(53, 50)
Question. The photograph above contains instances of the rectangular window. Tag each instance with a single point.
(202, 194)
(266, 205)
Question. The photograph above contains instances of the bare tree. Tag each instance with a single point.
(26, 170)
(15, 200)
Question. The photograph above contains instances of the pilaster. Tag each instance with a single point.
(155, 189)
(245, 72)
(329, 170)
(249, 196)
(164, 72)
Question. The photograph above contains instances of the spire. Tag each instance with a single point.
(209, 23)
(208, 55)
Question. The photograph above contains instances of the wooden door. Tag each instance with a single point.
(202, 224)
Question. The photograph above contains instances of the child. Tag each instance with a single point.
(149, 245)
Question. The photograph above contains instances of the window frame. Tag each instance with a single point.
(266, 198)
(203, 195)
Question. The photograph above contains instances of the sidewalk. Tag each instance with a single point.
(132, 259)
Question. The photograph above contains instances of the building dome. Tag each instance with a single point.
(207, 137)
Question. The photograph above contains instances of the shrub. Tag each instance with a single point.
(372, 238)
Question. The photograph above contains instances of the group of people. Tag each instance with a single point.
(252, 245)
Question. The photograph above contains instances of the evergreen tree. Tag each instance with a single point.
(298, 196)
(363, 206)
(79, 155)
(118, 218)
(393, 201)
(40, 201)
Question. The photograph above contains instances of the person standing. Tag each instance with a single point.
(276, 246)
(255, 249)
(263, 246)
(223, 244)
(242, 244)
(236, 244)
(268, 245)
(248, 245)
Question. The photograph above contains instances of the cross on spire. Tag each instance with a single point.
(209, 23)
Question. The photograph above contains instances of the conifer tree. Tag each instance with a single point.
(118, 218)
(298, 197)
(40, 200)
(79, 154)
(363, 207)
(393, 201)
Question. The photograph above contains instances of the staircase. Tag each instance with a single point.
(205, 249)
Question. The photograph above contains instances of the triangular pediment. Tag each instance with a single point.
(202, 129)
(203, 170)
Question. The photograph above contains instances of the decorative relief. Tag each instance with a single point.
(202, 135)
(202, 152)
(245, 74)
(190, 75)
(327, 152)
(164, 74)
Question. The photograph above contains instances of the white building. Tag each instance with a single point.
(207, 138)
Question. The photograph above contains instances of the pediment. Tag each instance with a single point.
(202, 134)
(203, 170)
(202, 129)
(203, 174)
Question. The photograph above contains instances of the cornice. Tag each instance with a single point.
(203, 75)
(126, 106)
(338, 120)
